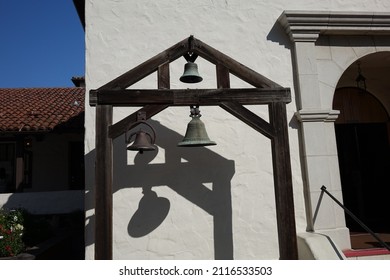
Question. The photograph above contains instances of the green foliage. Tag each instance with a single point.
(11, 232)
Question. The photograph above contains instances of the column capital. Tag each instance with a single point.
(320, 115)
(304, 37)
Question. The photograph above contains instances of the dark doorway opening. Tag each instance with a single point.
(363, 147)
(364, 159)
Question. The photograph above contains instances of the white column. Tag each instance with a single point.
(319, 150)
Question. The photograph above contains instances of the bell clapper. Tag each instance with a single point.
(195, 112)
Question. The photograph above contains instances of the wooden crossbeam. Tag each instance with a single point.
(184, 97)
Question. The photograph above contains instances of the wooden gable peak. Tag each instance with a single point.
(182, 48)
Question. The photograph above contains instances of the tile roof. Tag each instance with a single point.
(39, 109)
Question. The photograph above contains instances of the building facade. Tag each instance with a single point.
(219, 201)
(41, 149)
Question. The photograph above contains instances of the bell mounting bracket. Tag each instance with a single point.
(190, 56)
(141, 119)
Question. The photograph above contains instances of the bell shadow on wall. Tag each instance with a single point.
(152, 211)
(185, 178)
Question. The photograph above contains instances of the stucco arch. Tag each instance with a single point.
(337, 64)
(374, 67)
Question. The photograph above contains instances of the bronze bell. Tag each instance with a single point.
(196, 135)
(143, 141)
(191, 74)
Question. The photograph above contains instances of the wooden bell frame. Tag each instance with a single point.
(265, 92)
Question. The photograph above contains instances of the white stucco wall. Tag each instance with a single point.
(199, 183)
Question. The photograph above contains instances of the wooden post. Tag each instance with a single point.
(223, 78)
(223, 224)
(103, 184)
(284, 199)
(163, 77)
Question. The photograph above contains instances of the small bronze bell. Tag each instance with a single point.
(143, 141)
(191, 74)
(196, 135)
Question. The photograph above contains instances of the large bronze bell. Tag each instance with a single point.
(196, 135)
(191, 74)
(143, 141)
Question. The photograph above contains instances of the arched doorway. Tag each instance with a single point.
(363, 145)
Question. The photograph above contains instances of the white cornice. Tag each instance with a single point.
(308, 25)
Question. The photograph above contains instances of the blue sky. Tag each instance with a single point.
(41, 43)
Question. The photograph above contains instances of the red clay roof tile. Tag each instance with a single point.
(38, 109)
